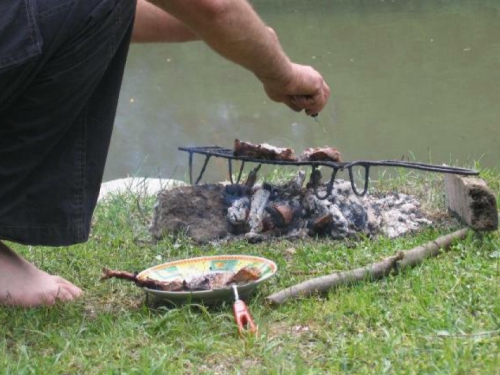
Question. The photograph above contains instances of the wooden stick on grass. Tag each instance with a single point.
(374, 271)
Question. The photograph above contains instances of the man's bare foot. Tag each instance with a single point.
(22, 284)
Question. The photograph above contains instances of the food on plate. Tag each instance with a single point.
(244, 275)
(209, 281)
(176, 285)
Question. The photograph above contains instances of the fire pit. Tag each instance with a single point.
(293, 209)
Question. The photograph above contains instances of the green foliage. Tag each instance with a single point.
(442, 317)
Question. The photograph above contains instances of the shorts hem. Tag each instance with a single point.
(52, 235)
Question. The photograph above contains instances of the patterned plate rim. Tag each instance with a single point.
(269, 262)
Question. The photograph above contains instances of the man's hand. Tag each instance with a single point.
(305, 90)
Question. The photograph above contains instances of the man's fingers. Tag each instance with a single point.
(312, 104)
(291, 103)
(321, 100)
(304, 101)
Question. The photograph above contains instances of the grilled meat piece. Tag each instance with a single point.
(245, 275)
(173, 286)
(263, 151)
(325, 153)
(203, 282)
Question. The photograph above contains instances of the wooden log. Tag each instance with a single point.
(472, 201)
(320, 224)
(401, 260)
(258, 204)
(281, 214)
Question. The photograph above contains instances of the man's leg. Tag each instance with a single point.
(54, 137)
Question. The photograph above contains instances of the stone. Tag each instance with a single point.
(143, 186)
(197, 211)
(472, 201)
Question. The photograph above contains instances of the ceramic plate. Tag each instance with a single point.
(196, 267)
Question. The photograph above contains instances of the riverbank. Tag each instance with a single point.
(441, 317)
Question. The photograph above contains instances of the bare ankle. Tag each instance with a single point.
(23, 284)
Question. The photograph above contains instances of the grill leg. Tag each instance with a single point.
(230, 170)
(241, 171)
(190, 168)
(367, 178)
(207, 158)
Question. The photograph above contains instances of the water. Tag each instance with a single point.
(417, 79)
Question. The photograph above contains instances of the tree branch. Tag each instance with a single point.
(374, 271)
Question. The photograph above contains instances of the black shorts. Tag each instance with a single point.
(61, 67)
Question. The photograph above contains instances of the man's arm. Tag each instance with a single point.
(233, 29)
(153, 24)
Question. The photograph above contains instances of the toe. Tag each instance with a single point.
(61, 294)
(73, 289)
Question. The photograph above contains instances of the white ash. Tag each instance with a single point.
(238, 212)
(400, 214)
(392, 214)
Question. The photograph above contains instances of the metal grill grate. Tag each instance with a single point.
(228, 154)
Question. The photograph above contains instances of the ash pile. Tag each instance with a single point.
(292, 210)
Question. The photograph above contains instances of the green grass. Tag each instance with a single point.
(442, 317)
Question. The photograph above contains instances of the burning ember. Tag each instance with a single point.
(289, 210)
